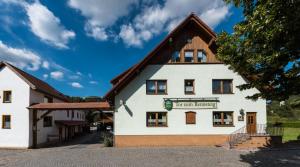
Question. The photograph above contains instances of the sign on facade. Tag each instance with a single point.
(190, 103)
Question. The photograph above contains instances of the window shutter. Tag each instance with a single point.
(190, 117)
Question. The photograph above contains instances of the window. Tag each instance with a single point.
(7, 97)
(223, 118)
(72, 114)
(156, 87)
(190, 117)
(77, 115)
(188, 56)
(201, 56)
(156, 119)
(68, 114)
(6, 122)
(222, 86)
(175, 57)
(48, 99)
(189, 86)
(48, 121)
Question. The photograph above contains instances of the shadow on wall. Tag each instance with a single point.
(288, 154)
(137, 83)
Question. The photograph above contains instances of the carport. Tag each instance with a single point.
(47, 108)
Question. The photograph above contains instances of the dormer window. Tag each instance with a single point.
(188, 56)
(176, 57)
(201, 56)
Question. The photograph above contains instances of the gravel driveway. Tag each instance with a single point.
(93, 154)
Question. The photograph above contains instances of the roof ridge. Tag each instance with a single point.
(130, 72)
(34, 86)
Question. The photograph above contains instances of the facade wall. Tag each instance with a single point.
(130, 119)
(43, 132)
(18, 135)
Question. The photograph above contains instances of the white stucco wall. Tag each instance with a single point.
(132, 121)
(43, 132)
(18, 135)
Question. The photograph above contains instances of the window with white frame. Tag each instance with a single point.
(156, 119)
(222, 118)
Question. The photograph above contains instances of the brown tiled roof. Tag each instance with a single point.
(117, 78)
(36, 83)
(72, 106)
(123, 79)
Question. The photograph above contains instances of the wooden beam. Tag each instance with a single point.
(34, 129)
(45, 114)
(211, 41)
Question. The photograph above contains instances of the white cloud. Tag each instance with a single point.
(45, 76)
(47, 26)
(57, 75)
(76, 85)
(22, 58)
(74, 77)
(44, 24)
(93, 82)
(158, 18)
(46, 65)
(129, 35)
(101, 14)
(214, 16)
(78, 73)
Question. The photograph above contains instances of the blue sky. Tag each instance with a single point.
(78, 46)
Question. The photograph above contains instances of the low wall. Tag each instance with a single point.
(261, 142)
(169, 140)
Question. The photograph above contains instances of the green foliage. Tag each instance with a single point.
(291, 134)
(108, 140)
(86, 99)
(264, 47)
(285, 111)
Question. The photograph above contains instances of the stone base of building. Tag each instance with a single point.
(169, 140)
(260, 142)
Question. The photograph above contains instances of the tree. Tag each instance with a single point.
(289, 108)
(265, 47)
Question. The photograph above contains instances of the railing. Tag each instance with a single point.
(243, 134)
(238, 136)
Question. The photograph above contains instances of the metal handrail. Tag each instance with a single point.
(245, 133)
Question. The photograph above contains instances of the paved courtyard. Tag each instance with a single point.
(91, 153)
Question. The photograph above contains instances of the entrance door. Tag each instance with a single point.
(251, 122)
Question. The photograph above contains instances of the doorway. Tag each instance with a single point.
(251, 122)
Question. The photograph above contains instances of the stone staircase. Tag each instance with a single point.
(263, 136)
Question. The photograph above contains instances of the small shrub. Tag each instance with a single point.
(108, 141)
(298, 137)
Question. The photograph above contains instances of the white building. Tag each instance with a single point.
(18, 91)
(180, 94)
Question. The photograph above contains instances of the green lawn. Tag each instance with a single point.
(291, 134)
(291, 127)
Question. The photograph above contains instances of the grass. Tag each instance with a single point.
(291, 134)
(291, 127)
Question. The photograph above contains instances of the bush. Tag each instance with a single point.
(287, 124)
(108, 141)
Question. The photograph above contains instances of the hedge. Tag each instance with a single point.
(286, 124)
